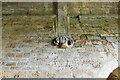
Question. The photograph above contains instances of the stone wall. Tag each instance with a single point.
(93, 14)
(28, 29)
(48, 8)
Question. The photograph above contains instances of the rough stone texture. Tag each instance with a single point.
(27, 35)
(53, 62)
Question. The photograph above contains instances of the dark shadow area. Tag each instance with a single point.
(115, 75)
(55, 7)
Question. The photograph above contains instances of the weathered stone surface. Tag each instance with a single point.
(27, 36)
(74, 62)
